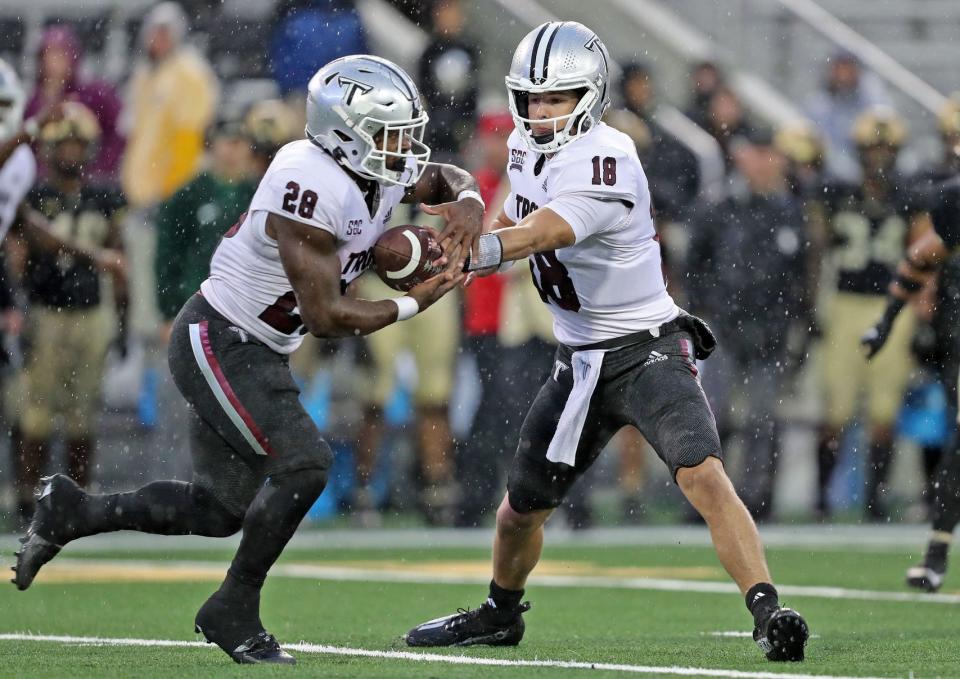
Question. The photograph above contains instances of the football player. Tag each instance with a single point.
(280, 272)
(579, 208)
(869, 223)
(923, 259)
(18, 170)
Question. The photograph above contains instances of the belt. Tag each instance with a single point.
(638, 337)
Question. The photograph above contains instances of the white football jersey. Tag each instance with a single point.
(610, 282)
(247, 283)
(16, 178)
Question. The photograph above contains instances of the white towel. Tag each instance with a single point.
(586, 371)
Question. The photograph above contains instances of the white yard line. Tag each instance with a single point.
(435, 657)
(351, 574)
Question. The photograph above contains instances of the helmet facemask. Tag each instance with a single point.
(566, 128)
(408, 163)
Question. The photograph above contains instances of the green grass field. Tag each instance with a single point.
(624, 605)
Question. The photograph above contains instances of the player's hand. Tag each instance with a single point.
(464, 224)
(434, 288)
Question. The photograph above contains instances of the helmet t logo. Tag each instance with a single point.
(354, 86)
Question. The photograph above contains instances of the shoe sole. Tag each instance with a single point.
(788, 634)
(924, 583)
(280, 658)
(501, 638)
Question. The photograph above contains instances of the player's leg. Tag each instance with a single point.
(65, 512)
(564, 431)
(433, 341)
(929, 574)
(887, 377)
(633, 473)
(41, 396)
(669, 407)
(843, 372)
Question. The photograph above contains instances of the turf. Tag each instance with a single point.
(609, 625)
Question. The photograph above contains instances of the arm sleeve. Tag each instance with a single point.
(589, 214)
(510, 207)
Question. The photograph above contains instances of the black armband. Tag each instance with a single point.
(908, 284)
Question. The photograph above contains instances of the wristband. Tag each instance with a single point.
(32, 128)
(407, 307)
(489, 254)
(470, 193)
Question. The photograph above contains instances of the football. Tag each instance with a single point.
(404, 256)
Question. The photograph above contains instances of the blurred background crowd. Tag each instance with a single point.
(789, 165)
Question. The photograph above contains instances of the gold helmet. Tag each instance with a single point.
(78, 122)
(879, 126)
(270, 124)
(799, 141)
(949, 118)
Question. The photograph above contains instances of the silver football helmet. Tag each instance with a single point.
(351, 100)
(559, 55)
(13, 99)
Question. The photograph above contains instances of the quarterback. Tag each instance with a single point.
(280, 272)
(579, 209)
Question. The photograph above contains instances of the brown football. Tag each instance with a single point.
(404, 256)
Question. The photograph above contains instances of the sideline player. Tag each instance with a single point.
(923, 258)
(18, 171)
(280, 272)
(580, 209)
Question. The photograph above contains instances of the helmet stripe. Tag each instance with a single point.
(536, 46)
(546, 57)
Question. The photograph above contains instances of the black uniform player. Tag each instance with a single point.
(869, 224)
(923, 257)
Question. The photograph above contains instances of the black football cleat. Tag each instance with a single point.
(56, 504)
(484, 625)
(237, 630)
(782, 635)
(925, 577)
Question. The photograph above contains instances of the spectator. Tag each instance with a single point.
(485, 451)
(271, 125)
(448, 71)
(671, 167)
(309, 34)
(58, 79)
(68, 323)
(846, 93)
(726, 121)
(747, 259)
(870, 224)
(173, 94)
(705, 80)
(190, 224)
(171, 102)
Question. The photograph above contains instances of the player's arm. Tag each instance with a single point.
(36, 231)
(29, 131)
(309, 258)
(924, 256)
(453, 194)
(560, 224)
